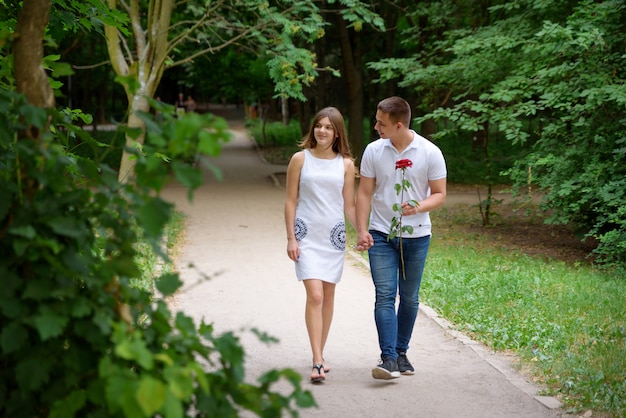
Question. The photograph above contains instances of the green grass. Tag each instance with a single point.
(566, 324)
(150, 264)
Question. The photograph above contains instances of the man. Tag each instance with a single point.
(394, 269)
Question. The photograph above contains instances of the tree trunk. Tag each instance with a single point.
(323, 80)
(284, 110)
(145, 66)
(138, 102)
(304, 111)
(30, 76)
(351, 54)
(428, 128)
(390, 36)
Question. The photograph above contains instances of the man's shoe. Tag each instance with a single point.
(404, 365)
(387, 369)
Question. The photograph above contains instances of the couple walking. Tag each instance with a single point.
(402, 178)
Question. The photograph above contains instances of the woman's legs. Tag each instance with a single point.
(320, 300)
(328, 308)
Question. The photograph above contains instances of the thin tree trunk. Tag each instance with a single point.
(284, 110)
(323, 80)
(127, 164)
(352, 59)
(489, 202)
(150, 54)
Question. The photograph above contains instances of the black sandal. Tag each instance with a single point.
(319, 378)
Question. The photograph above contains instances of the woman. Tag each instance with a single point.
(320, 190)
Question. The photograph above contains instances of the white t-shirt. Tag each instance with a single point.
(379, 162)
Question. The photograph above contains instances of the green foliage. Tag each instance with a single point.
(273, 30)
(291, 66)
(76, 338)
(557, 67)
(466, 162)
(274, 134)
(103, 146)
(69, 17)
(213, 77)
(276, 35)
(567, 323)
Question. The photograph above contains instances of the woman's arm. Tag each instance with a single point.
(349, 204)
(291, 200)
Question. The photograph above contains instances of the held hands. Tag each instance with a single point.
(365, 242)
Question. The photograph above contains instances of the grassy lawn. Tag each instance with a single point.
(564, 319)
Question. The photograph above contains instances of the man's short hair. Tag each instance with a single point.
(397, 108)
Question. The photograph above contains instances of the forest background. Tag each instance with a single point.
(531, 93)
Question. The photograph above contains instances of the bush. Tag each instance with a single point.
(106, 148)
(467, 164)
(274, 134)
(76, 338)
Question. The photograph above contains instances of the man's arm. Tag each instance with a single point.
(363, 207)
(437, 196)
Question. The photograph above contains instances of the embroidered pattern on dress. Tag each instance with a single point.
(300, 229)
(338, 236)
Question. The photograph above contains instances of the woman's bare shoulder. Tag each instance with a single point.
(298, 155)
(297, 159)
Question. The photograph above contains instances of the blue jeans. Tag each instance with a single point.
(395, 329)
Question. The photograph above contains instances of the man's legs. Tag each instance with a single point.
(383, 258)
(415, 251)
(384, 268)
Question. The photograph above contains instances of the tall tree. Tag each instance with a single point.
(352, 56)
(547, 74)
(157, 30)
(353, 43)
(346, 49)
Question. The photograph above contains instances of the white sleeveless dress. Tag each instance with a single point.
(320, 224)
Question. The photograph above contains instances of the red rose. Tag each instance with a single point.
(404, 164)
